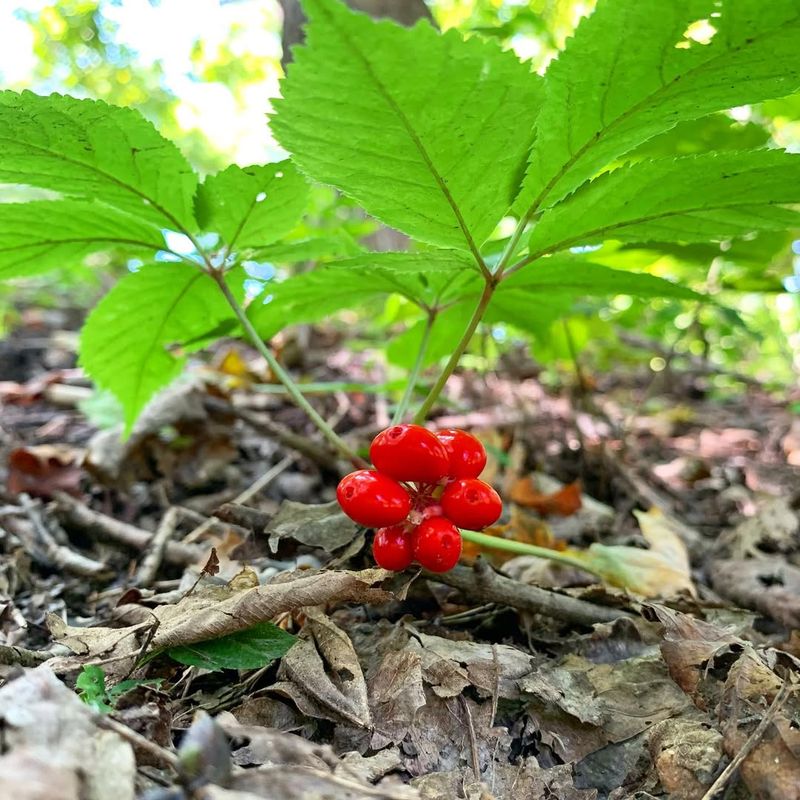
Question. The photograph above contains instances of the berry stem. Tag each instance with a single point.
(484, 540)
(283, 376)
(452, 363)
(413, 376)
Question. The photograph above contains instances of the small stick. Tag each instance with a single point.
(42, 546)
(473, 743)
(74, 513)
(754, 738)
(318, 453)
(156, 548)
(20, 656)
(482, 583)
(166, 757)
(253, 489)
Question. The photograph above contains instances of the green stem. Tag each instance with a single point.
(413, 376)
(495, 542)
(280, 373)
(449, 368)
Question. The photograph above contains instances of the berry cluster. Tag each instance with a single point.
(423, 489)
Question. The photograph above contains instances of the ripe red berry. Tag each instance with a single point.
(437, 544)
(466, 453)
(373, 499)
(392, 548)
(471, 504)
(409, 453)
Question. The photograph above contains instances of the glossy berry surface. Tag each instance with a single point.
(373, 499)
(467, 456)
(471, 504)
(392, 548)
(409, 453)
(437, 544)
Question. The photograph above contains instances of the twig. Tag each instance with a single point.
(21, 656)
(74, 513)
(473, 743)
(245, 517)
(166, 757)
(482, 583)
(754, 738)
(315, 451)
(244, 496)
(364, 789)
(156, 548)
(42, 546)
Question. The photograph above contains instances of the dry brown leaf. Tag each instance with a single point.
(689, 645)
(686, 754)
(769, 585)
(42, 719)
(206, 447)
(323, 526)
(621, 699)
(563, 503)
(43, 470)
(771, 770)
(322, 675)
(211, 612)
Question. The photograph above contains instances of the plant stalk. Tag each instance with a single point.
(495, 542)
(436, 389)
(283, 376)
(413, 376)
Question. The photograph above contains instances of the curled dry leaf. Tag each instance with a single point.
(209, 613)
(323, 676)
(562, 503)
(690, 645)
(661, 571)
(323, 526)
(43, 470)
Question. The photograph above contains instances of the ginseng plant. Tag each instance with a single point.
(505, 181)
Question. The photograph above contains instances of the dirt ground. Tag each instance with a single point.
(510, 677)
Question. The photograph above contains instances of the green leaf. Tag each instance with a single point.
(429, 133)
(630, 73)
(424, 261)
(576, 277)
(39, 236)
(91, 686)
(252, 206)
(89, 149)
(312, 296)
(691, 199)
(252, 648)
(124, 341)
(316, 249)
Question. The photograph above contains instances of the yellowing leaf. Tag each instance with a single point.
(661, 571)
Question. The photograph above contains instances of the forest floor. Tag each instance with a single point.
(506, 678)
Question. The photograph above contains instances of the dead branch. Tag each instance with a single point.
(483, 584)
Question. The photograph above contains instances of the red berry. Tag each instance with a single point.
(391, 548)
(437, 544)
(466, 453)
(373, 499)
(471, 504)
(409, 453)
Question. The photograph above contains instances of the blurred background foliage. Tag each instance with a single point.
(204, 72)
